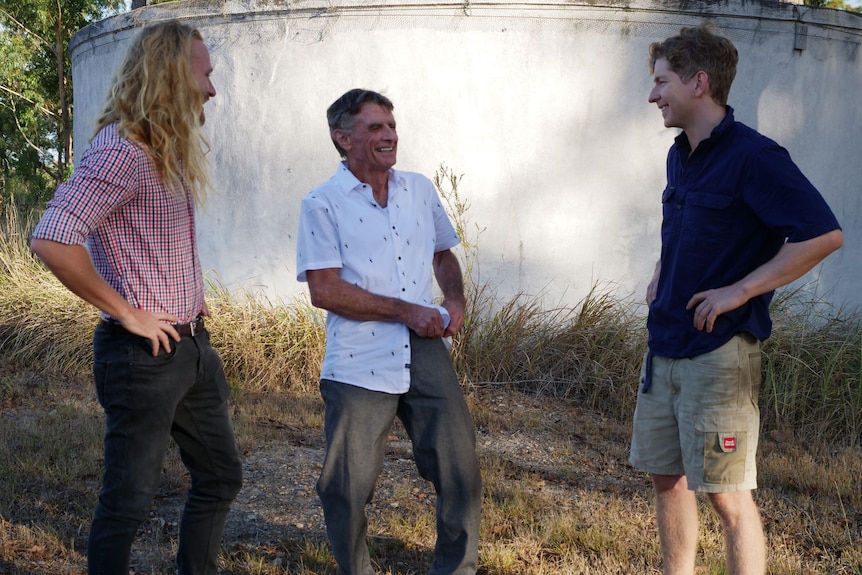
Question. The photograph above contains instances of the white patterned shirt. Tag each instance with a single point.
(386, 251)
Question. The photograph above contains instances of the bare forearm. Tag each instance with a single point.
(348, 300)
(791, 262)
(74, 268)
(447, 271)
(330, 292)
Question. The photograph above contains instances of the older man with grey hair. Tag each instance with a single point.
(370, 240)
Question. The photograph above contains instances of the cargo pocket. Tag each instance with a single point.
(725, 445)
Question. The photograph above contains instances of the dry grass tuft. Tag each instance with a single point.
(813, 379)
(590, 353)
(41, 322)
(264, 346)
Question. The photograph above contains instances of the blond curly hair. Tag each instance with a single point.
(156, 102)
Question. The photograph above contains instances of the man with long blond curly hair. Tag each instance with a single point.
(132, 201)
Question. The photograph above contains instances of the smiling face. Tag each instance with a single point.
(676, 99)
(371, 144)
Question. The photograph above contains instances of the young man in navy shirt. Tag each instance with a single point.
(739, 221)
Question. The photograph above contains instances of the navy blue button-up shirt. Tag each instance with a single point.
(727, 209)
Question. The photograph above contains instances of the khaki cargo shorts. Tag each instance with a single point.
(700, 417)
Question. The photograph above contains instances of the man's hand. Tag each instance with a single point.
(791, 262)
(425, 321)
(710, 304)
(74, 268)
(155, 327)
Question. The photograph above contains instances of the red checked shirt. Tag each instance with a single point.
(141, 237)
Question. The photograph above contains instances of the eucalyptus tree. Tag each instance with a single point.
(36, 91)
(835, 4)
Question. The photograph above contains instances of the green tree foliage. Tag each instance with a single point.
(836, 4)
(36, 92)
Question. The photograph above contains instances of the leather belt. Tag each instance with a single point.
(190, 329)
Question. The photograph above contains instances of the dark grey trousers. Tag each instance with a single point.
(436, 418)
(147, 400)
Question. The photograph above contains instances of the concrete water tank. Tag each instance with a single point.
(542, 106)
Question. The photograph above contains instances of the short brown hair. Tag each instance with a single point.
(696, 49)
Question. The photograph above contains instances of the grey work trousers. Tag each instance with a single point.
(439, 424)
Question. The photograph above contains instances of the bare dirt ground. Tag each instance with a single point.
(552, 457)
(565, 450)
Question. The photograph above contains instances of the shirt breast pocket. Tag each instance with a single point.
(709, 219)
(709, 201)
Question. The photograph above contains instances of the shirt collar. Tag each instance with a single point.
(345, 178)
(348, 182)
(724, 126)
(718, 132)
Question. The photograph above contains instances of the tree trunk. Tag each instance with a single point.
(64, 151)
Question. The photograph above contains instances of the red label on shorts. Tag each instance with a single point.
(730, 443)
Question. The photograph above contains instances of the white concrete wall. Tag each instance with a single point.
(541, 106)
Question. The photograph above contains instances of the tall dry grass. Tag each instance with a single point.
(263, 345)
(586, 356)
(41, 322)
(266, 346)
(589, 353)
(812, 383)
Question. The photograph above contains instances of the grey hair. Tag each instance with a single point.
(341, 115)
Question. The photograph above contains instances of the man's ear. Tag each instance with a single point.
(701, 83)
(342, 138)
